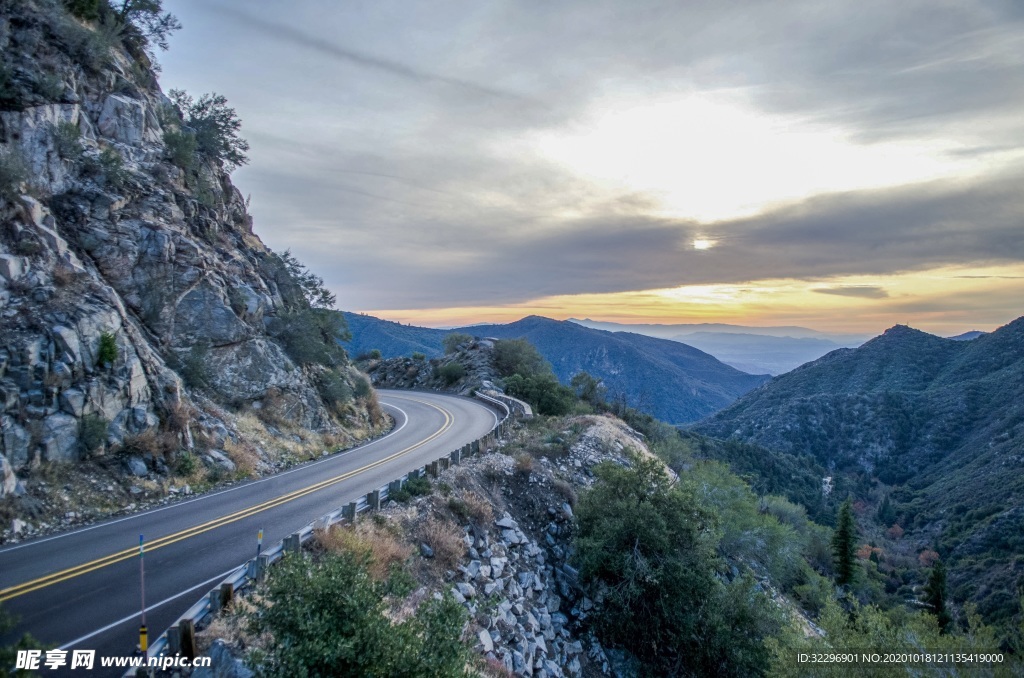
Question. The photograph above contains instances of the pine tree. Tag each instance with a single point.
(935, 595)
(886, 515)
(844, 545)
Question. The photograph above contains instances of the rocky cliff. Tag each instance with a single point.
(136, 303)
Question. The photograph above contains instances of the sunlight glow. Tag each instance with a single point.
(712, 156)
(703, 244)
(946, 301)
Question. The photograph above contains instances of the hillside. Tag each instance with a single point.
(672, 381)
(938, 419)
(393, 340)
(148, 338)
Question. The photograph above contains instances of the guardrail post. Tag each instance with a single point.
(173, 641)
(467, 451)
(349, 512)
(394, 486)
(227, 595)
(214, 602)
(456, 457)
(475, 446)
(261, 567)
(292, 543)
(187, 634)
(373, 499)
(432, 469)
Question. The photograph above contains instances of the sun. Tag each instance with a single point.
(703, 243)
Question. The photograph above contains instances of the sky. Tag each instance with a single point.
(841, 165)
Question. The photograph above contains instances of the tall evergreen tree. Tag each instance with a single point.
(844, 545)
(935, 595)
(886, 515)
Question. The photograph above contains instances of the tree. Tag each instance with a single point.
(587, 387)
(886, 515)
(518, 356)
(453, 341)
(649, 545)
(215, 126)
(935, 595)
(844, 545)
(148, 21)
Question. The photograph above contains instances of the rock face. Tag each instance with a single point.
(117, 268)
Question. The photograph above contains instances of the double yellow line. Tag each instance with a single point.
(84, 568)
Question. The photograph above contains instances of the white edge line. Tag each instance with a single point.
(154, 606)
(149, 512)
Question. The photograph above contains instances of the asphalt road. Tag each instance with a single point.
(81, 589)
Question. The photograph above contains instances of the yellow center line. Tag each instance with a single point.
(84, 568)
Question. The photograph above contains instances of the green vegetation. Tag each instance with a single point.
(451, 372)
(9, 653)
(651, 545)
(308, 329)
(518, 356)
(13, 173)
(454, 341)
(213, 127)
(334, 389)
(418, 357)
(529, 377)
(935, 596)
(67, 140)
(844, 545)
(195, 367)
(93, 433)
(329, 617)
(413, 487)
(106, 351)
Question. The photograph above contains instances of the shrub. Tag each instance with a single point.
(48, 86)
(86, 9)
(186, 464)
(108, 168)
(93, 433)
(334, 389)
(451, 373)
(518, 356)
(195, 368)
(524, 464)
(418, 357)
(13, 173)
(106, 353)
(329, 618)
(446, 541)
(181, 149)
(453, 341)
(379, 549)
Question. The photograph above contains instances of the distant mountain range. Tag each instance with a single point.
(758, 350)
(672, 381)
(941, 420)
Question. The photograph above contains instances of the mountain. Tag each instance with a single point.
(673, 330)
(393, 340)
(941, 421)
(672, 381)
(758, 353)
(967, 336)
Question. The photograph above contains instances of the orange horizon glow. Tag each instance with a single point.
(944, 301)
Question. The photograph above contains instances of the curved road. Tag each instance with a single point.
(80, 589)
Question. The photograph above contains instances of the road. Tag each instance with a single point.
(81, 589)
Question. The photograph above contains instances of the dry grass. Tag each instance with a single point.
(446, 541)
(374, 410)
(524, 464)
(178, 416)
(247, 460)
(564, 490)
(480, 510)
(380, 546)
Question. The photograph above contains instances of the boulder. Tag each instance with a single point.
(13, 267)
(123, 119)
(60, 438)
(8, 481)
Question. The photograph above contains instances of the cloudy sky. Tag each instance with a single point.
(843, 165)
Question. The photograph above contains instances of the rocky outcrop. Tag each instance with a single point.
(125, 281)
(473, 363)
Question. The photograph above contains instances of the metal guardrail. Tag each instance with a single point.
(249, 573)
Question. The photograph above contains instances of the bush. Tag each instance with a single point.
(86, 9)
(651, 545)
(418, 357)
(329, 618)
(334, 389)
(106, 353)
(195, 368)
(543, 392)
(453, 341)
(93, 433)
(108, 168)
(186, 464)
(181, 149)
(451, 373)
(13, 173)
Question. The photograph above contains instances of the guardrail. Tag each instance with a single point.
(180, 638)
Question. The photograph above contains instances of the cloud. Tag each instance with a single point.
(861, 291)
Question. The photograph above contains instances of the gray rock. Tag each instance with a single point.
(12, 267)
(486, 642)
(8, 481)
(136, 466)
(15, 441)
(220, 460)
(223, 664)
(426, 551)
(467, 590)
(60, 438)
(72, 401)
